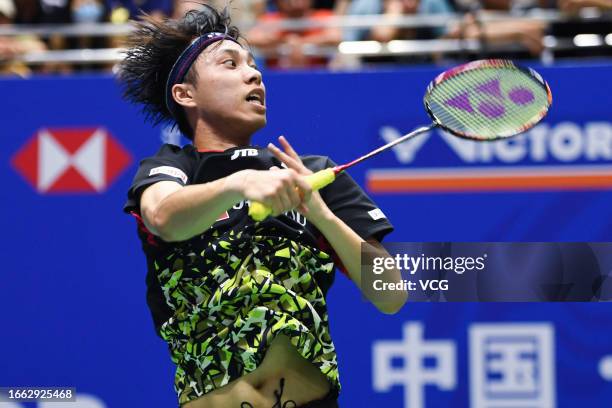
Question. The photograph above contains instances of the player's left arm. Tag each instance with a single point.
(345, 242)
(347, 245)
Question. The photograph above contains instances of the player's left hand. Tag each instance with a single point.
(314, 209)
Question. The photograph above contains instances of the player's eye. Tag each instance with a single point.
(230, 63)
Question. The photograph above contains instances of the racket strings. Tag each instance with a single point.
(488, 102)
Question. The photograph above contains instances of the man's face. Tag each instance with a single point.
(229, 90)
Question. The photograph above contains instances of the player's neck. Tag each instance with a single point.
(207, 138)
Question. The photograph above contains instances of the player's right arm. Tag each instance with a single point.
(176, 213)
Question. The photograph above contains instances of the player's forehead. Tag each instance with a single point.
(230, 48)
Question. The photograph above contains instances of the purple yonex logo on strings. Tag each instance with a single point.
(493, 108)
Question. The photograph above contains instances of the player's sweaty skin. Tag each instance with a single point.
(303, 382)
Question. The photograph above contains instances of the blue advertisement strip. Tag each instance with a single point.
(489, 271)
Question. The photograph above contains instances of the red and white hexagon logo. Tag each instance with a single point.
(71, 160)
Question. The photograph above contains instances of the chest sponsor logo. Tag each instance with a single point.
(244, 153)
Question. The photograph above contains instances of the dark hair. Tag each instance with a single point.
(152, 50)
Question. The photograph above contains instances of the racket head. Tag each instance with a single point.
(487, 99)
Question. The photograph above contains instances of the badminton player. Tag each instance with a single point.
(241, 304)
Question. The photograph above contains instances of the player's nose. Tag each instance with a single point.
(253, 76)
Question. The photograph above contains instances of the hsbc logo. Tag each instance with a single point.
(71, 160)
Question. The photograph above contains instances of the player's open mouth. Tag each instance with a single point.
(256, 97)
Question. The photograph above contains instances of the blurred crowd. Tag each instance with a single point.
(284, 47)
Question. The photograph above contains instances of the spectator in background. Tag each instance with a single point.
(7, 11)
(182, 7)
(526, 33)
(358, 8)
(87, 11)
(55, 11)
(572, 24)
(244, 12)
(384, 34)
(131, 9)
(295, 41)
(121, 11)
(11, 47)
(27, 12)
(573, 6)
(395, 8)
(410, 7)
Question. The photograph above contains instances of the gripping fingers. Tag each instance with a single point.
(282, 202)
(295, 195)
(299, 190)
(285, 197)
(294, 192)
(278, 199)
(277, 208)
(291, 193)
(304, 188)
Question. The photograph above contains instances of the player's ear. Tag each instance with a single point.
(183, 95)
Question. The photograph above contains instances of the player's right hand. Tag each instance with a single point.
(280, 189)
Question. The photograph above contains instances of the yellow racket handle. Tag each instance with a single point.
(317, 181)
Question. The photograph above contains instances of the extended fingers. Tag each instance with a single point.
(285, 158)
(288, 148)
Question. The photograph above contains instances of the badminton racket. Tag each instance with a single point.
(482, 100)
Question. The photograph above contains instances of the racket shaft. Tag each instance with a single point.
(397, 141)
(259, 211)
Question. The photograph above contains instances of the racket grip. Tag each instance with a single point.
(259, 211)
